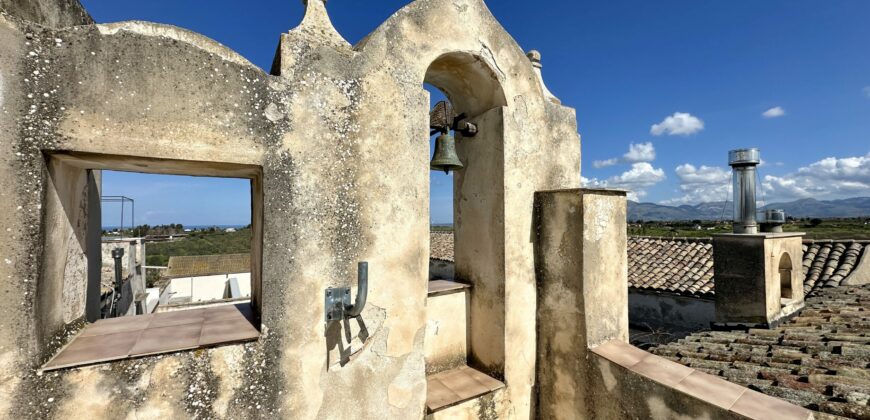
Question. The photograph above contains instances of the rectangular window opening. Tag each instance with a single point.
(172, 255)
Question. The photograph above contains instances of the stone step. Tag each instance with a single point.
(456, 386)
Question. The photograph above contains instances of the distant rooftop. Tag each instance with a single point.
(441, 246)
(208, 265)
(685, 265)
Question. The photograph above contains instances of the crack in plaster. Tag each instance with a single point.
(489, 57)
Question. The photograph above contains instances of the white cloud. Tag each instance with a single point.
(679, 124)
(642, 152)
(828, 178)
(642, 175)
(866, 91)
(605, 163)
(774, 112)
(702, 184)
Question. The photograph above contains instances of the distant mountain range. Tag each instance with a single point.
(809, 207)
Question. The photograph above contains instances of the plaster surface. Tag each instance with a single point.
(446, 331)
(586, 369)
(335, 142)
(50, 13)
(748, 283)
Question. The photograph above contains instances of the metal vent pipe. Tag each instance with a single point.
(743, 163)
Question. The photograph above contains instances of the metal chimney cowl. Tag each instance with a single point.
(743, 163)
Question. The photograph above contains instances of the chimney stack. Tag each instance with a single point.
(743, 163)
(758, 277)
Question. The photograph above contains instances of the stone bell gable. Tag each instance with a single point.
(335, 144)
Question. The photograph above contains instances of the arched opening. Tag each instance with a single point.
(785, 274)
(466, 315)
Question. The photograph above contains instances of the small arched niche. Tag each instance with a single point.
(785, 274)
(473, 88)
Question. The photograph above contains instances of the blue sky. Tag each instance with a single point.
(714, 68)
(163, 199)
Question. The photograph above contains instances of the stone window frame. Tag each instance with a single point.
(90, 162)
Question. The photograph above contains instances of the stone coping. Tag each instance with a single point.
(708, 388)
(443, 287)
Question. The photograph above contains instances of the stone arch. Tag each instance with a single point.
(473, 88)
(468, 81)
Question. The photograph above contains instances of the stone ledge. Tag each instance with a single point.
(443, 287)
(696, 384)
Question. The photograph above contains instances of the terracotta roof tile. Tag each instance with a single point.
(207, 265)
(685, 265)
(682, 266)
(441, 246)
(818, 360)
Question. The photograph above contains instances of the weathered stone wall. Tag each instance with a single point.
(581, 256)
(50, 13)
(586, 369)
(677, 315)
(340, 137)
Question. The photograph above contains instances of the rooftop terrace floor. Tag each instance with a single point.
(144, 335)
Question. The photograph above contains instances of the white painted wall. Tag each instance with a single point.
(208, 288)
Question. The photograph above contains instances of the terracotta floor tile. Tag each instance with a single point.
(100, 348)
(229, 312)
(116, 325)
(488, 382)
(456, 386)
(166, 319)
(227, 331)
(462, 384)
(439, 396)
(119, 338)
(711, 388)
(226, 307)
(168, 339)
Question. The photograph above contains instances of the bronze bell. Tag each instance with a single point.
(445, 158)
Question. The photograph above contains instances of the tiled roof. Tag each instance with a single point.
(683, 266)
(819, 360)
(207, 265)
(828, 263)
